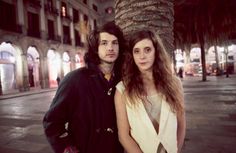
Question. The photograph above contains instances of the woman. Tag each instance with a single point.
(149, 99)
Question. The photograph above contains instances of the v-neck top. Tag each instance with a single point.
(153, 108)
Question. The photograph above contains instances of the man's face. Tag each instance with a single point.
(108, 48)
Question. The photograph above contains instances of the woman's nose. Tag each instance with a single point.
(142, 55)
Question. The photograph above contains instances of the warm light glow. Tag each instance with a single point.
(63, 10)
(66, 63)
(66, 57)
(12, 59)
(54, 66)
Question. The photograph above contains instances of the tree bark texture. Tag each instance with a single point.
(156, 15)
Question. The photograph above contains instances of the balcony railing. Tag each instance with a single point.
(67, 17)
(52, 10)
(66, 40)
(33, 33)
(34, 3)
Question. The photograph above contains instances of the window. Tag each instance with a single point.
(50, 4)
(85, 17)
(63, 9)
(77, 38)
(66, 35)
(51, 30)
(4, 55)
(85, 1)
(33, 25)
(109, 10)
(8, 16)
(95, 7)
(75, 15)
(231, 57)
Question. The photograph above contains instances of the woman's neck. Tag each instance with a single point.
(147, 76)
(148, 83)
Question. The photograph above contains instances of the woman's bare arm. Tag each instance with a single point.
(125, 138)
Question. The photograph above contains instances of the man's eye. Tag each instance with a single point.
(103, 43)
(115, 42)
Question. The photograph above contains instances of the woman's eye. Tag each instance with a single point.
(147, 50)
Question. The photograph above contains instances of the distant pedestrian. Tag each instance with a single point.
(58, 80)
(180, 73)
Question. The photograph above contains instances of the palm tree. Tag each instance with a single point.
(158, 15)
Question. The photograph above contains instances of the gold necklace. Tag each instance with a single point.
(107, 76)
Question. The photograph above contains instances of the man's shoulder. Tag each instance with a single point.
(80, 71)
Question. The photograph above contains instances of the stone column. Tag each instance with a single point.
(82, 34)
(20, 16)
(59, 25)
(24, 86)
(43, 72)
(72, 32)
(72, 62)
(43, 22)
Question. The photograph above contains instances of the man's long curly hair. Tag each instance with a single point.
(165, 81)
(93, 42)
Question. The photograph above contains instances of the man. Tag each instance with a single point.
(82, 117)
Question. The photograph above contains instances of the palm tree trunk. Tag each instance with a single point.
(158, 15)
(217, 61)
(203, 58)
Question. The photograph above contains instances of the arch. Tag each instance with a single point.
(66, 63)
(10, 66)
(79, 59)
(33, 66)
(54, 67)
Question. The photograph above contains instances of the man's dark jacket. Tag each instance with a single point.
(85, 101)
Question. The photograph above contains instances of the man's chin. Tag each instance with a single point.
(109, 61)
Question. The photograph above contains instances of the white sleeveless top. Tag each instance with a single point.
(142, 129)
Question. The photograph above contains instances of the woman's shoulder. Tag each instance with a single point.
(120, 87)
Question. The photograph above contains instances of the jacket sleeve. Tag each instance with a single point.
(56, 118)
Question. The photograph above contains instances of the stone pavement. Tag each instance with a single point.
(210, 115)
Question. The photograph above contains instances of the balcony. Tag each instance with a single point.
(66, 40)
(33, 33)
(51, 10)
(34, 3)
(67, 18)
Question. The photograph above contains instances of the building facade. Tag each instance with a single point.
(41, 40)
(191, 61)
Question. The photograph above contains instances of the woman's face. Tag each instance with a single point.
(144, 55)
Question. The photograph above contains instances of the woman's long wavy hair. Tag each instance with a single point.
(165, 81)
(93, 42)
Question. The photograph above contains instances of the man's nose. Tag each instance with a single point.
(109, 46)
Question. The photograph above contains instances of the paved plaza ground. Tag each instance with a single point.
(210, 114)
